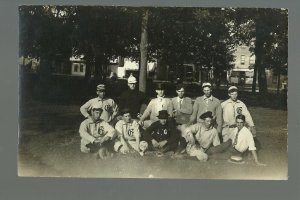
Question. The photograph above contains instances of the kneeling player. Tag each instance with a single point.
(97, 136)
(129, 134)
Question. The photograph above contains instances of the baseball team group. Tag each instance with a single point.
(203, 128)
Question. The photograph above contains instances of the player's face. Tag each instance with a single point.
(96, 114)
(207, 122)
(131, 86)
(160, 93)
(101, 93)
(163, 121)
(180, 93)
(127, 117)
(240, 123)
(233, 96)
(207, 91)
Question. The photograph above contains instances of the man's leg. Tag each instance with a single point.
(219, 148)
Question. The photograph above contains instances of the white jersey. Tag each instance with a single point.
(130, 131)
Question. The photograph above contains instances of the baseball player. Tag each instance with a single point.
(129, 134)
(203, 138)
(97, 136)
(109, 107)
(242, 140)
(162, 135)
(231, 108)
(133, 99)
(156, 105)
(207, 103)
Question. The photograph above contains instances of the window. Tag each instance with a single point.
(81, 68)
(252, 60)
(242, 59)
(75, 67)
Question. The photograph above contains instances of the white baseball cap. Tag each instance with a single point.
(232, 88)
(131, 79)
(206, 85)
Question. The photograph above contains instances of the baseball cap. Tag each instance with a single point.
(206, 115)
(232, 89)
(101, 87)
(206, 84)
(131, 79)
(96, 107)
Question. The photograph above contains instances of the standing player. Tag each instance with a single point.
(109, 107)
(207, 103)
(97, 136)
(231, 108)
(128, 134)
(133, 99)
(156, 105)
(182, 106)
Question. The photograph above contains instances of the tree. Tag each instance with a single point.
(263, 28)
(191, 35)
(144, 51)
(104, 33)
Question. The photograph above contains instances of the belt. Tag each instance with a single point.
(232, 126)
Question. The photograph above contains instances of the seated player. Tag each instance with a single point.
(242, 140)
(97, 136)
(202, 138)
(129, 134)
(162, 135)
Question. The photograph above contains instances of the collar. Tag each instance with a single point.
(178, 99)
(211, 127)
(210, 98)
(231, 101)
(90, 121)
(101, 99)
(161, 97)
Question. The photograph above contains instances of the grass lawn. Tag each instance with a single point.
(49, 146)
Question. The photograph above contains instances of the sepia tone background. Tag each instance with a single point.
(53, 188)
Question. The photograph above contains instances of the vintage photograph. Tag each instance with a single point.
(153, 92)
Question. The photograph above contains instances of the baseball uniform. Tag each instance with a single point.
(90, 130)
(110, 108)
(230, 110)
(130, 132)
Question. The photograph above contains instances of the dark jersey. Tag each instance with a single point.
(132, 99)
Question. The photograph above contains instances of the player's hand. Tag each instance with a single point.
(154, 143)
(141, 123)
(124, 149)
(104, 139)
(138, 115)
(162, 143)
(97, 141)
(190, 139)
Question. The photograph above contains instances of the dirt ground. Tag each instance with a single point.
(49, 147)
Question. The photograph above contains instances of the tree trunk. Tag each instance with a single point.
(144, 52)
(278, 81)
(254, 79)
